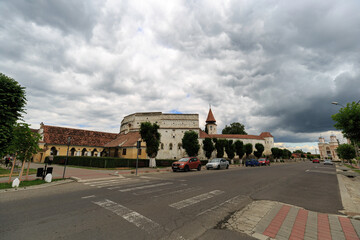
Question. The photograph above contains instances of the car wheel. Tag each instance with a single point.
(199, 168)
(227, 166)
(186, 169)
(174, 170)
(207, 168)
(218, 168)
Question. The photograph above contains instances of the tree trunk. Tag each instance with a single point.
(27, 171)
(152, 162)
(22, 169)
(12, 169)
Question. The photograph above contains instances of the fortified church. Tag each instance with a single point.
(56, 140)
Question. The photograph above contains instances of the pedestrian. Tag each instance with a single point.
(7, 160)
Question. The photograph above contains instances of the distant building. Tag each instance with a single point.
(328, 149)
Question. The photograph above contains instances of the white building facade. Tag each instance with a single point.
(172, 128)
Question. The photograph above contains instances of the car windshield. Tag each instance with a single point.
(215, 160)
(261, 159)
(184, 160)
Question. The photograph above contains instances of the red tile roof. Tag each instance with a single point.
(266, 134)
(125, 140)
(210, 117)
(79, 137)
(233, 136)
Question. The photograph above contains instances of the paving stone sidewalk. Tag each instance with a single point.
(273, 220)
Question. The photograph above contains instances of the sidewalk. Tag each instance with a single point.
(273, 220)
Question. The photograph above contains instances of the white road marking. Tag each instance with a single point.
(135, 218)
(112, 183)
(196, 199)
(136, 182)
(191, 189)
(144, 187)
(91, 196)
(158, 190)
(233, 200)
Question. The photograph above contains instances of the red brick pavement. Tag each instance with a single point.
(298, 230)
(348, 229)
(299, 226)
(276, 223)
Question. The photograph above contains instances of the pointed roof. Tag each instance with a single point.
(210, 117)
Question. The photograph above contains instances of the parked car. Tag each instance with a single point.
(316, 160)
(252, 162)
(186, 164)
(217, 163)
(328, 162)
(264, 162)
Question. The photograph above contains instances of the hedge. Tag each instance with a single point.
(109, 162)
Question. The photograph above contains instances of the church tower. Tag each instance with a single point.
(210, 123)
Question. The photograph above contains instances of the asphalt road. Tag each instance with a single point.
(181, 205)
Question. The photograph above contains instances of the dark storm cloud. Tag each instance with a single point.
(69, 17)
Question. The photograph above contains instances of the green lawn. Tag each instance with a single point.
(26, 183)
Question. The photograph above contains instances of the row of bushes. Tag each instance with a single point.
(109, 162)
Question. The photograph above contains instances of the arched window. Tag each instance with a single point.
(83, 152)
(72, 152)
(53, 151)
(179, 146)
(103, 153)
(162, 146)
(170, 146)
(94, 152)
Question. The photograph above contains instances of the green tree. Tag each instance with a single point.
(219, 145)
(234, 128)
(12, 103)
(190, 143)
(248, 149)
(239, 148)
(149, 133)
(346, 151)
(286, 154)
(23, 145)
(298, 151)
(208, 147)
(259, 150)
(348, 121)
(230, 149)
(277, 152)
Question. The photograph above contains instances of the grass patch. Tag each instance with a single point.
(27, 183)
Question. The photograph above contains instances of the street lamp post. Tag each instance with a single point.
(67, 154)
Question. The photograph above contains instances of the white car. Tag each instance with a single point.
(217, 163)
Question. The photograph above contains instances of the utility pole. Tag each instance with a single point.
(67, 154)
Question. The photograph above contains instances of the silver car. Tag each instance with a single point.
(328, 162)
(217, 163)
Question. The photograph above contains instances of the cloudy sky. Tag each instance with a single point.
(272, 65)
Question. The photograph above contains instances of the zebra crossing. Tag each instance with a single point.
(177, 195)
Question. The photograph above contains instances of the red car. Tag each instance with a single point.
(316, 160)
(186, 164)
(264, 162)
